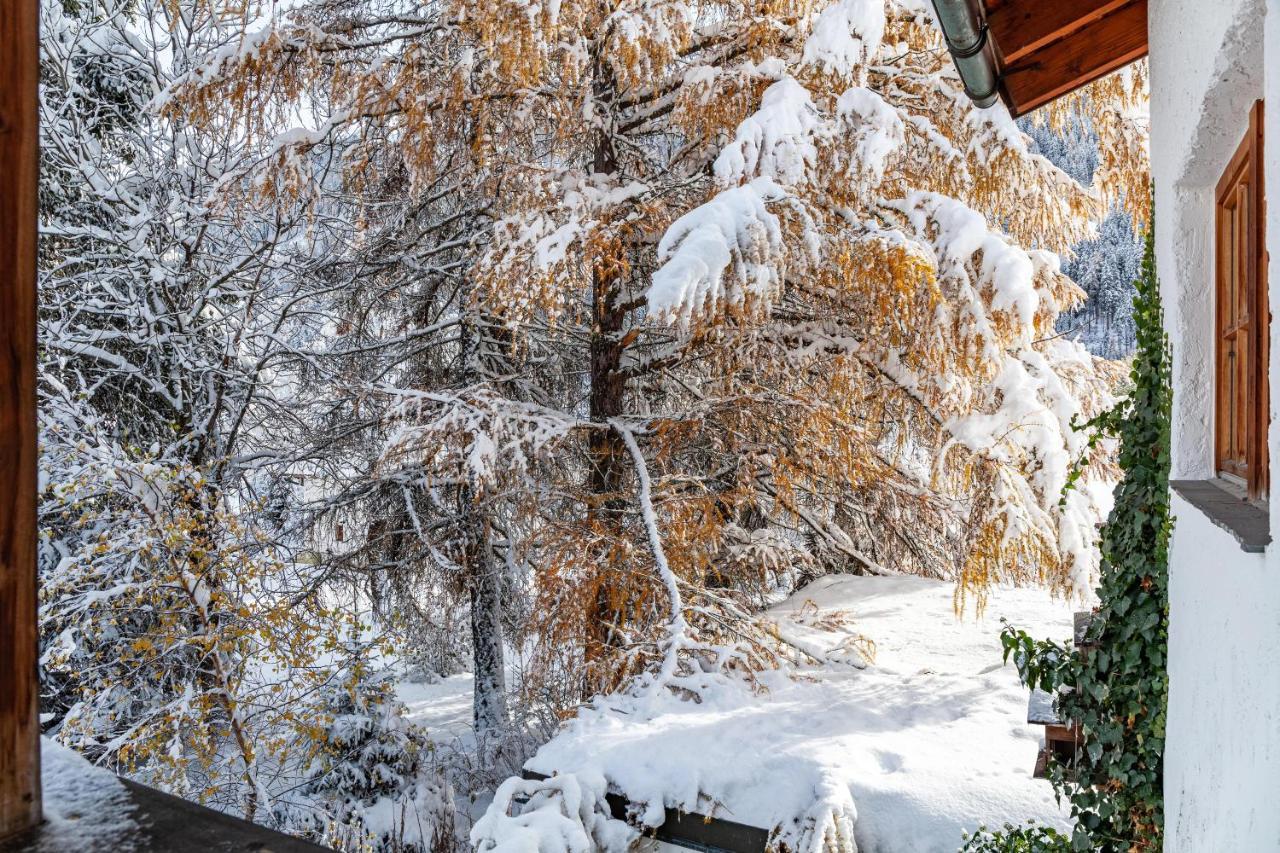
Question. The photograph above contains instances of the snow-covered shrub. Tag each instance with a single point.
(372, 785)
(171, 650)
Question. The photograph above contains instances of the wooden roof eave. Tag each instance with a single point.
(1048, 48)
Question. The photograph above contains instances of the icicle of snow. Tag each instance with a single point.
(845, 37)
(733, 233)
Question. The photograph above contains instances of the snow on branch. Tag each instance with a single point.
(776, 141)
(478, 432)
(727, 251)
(845, 36)
(677, 628)
(873, 131)
(956, 233)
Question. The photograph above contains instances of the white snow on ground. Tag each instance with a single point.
(443, 708)
(928, 741)
(85, 807)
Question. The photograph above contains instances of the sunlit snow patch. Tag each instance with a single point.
(927, 742)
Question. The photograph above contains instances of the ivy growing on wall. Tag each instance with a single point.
(1116, 688)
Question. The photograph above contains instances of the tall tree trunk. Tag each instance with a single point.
(483, 574)
(484, 582)
(608, 454)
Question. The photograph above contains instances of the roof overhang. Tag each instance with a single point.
(1044, 49)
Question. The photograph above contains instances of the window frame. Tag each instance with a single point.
(1241, 186)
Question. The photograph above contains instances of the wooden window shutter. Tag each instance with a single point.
(1242, 341)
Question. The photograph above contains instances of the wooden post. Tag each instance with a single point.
(19, 727)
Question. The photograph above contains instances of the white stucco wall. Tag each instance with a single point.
(1222, 760)
(1206, 71)
(1222, 757)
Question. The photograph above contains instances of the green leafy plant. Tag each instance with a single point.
(1116, 688)
(1017, 839)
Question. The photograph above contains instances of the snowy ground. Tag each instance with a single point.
(443, 709)
(928, 741)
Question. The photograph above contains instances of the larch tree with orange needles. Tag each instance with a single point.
(762, 296)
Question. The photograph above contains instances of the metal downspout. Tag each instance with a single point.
(965, 30)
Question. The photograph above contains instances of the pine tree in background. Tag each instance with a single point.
(371, 785)
(1105, 266)
(1118, 686)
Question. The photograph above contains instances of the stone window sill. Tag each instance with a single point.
(1226, 506)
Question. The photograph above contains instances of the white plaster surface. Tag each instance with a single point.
(1206, 71)
(1222, 760)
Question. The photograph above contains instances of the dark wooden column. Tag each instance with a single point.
(19, 730)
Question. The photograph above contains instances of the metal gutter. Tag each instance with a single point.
(965, 29)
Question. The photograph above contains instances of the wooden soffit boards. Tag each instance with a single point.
(1048, 48)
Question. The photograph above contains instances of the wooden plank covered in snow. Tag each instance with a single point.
(1040, 710)
(691, 830)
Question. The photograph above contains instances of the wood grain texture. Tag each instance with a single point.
(1094, 49)
(19, 730)
(1019, 28)
(1243, 317)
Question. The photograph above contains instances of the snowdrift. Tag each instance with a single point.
(901, 756)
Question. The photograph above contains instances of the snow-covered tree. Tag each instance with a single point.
(1106, 265)
(1106, 268)
(371, 778)
(559, 338)
(181, 633)
(172, 652)
(774, 246)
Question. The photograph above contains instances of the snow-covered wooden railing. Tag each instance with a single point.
(689, 830)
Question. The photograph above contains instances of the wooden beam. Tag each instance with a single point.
(19, 727)
(1024, 26)
(1090, 52)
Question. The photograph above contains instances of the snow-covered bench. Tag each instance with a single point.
(690, 830)
(1062, 738)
